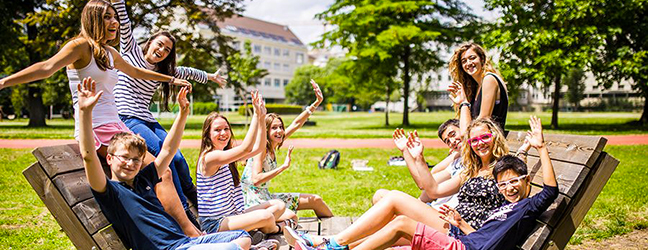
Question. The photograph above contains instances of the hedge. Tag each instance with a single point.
(275, 108)
(204, 108)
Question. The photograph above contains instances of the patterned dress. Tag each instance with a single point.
(255, 195)
(477, 198)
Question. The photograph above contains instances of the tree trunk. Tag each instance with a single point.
(406, 82)
(644, 115)
(556, 102)
(387, 107)
(35, 93)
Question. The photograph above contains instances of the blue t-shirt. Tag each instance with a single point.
(511, 222)
(137, 215)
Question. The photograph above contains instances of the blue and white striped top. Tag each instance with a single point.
(133, 96)
(217, 195)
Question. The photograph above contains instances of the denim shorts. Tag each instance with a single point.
(221, 240)
(210, 224)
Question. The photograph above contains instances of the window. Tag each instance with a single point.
(267, 65)
(300, 58)
(286, 82)
(277, 52)
(277, 82)
(286, 67)
(277, 66)
(257, 49)
(267, 82)
(267, 50)
(236, 45)
(286, 52)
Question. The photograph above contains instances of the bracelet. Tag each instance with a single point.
(172, 80)
(464, 104)
(308, 111)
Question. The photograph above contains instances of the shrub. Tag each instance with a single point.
(281, 109)
(204, 108)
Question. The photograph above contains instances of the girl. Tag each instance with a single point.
(133, 96)
(485, 90)
(260, 169)
(220, 199)
(90, 55)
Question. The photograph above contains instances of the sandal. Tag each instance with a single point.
(269, 244)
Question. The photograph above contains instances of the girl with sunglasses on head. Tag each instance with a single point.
(133, 96)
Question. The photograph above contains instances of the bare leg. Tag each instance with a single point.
(400, 227)
(378, 195)
(275, 207)
(261, 219)
(244, 242)
(314, 202)
(288, 214)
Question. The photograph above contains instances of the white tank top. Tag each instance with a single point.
(106, 110)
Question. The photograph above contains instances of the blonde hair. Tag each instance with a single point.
(470, 159)
(206, 144)
(94, 31)
(128, 140)
(268, 121)
(459, 75)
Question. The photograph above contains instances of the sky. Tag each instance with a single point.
(299, 15)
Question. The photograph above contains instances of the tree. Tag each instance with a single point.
(244, 71)
(396, 37)
(299, 90)
(575, 82)
(542, 41)
(34, 30)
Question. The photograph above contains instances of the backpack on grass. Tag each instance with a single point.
(330, 160)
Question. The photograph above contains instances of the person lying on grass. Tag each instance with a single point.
(507, 226)
(128, 200)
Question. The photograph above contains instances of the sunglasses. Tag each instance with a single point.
(485, 138)
(513, 182)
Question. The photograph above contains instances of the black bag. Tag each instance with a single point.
(330, 160)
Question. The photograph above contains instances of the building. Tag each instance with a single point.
(279, 49)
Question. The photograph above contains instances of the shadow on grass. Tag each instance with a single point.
(586, 128)
(48, 127)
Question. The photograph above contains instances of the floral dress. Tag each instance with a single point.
(255, 195)
(477, 197)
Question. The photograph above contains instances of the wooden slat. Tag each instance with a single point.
(107, 239)
(538, 237)
(90, 215)
(59, 159)
(579, 149)
(56, 204)
(310, 225)
(584, 200)
(568, 175)
(73, 186)
(334, 225)
(555, 211)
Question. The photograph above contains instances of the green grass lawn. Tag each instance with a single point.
(363, 125)
(25, 223)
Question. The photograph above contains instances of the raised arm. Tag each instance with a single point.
(536, 140)
(443, 164)
(87, 100)
(126, 39)
(259, 177)
(172, 141)
(69, 54)
(400, 140)
(215, 159)
(301, 119)
(427, 182)
(145, 74)
(458, 97)
(489, 90)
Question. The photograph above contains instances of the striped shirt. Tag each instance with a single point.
(133, 96)
(217, 195)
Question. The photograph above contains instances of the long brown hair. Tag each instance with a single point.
(458, 74)
(471, 160)
(206, 144)
(268, 121)
(94, 31)
(165, 67)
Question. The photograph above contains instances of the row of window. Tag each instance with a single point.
(277, 82)
(276, 66)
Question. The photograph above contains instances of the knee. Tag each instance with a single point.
(266, 217)
(317, 199)
(277, 205)
(378, 195)
(244, 242)
(400, 223)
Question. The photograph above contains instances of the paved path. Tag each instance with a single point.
(312, 143)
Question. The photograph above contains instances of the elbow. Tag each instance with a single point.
(256, 181)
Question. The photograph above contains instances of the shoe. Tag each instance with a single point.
(328, 246)
(268, 244)
(293, 238)
(302, 246)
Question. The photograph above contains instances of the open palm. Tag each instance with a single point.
(450, 215)
(414, 144)
(535, 137)
(87, 95)
(457, 94)
(318, 93)
(289, 156)
(400, 139)
(182, 98)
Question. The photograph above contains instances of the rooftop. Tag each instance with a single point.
(260, 29)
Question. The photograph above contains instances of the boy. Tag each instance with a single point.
(128, 200)
(507, 225)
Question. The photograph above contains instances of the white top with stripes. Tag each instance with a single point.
(105, 111)
(134, 96)
(217, 195)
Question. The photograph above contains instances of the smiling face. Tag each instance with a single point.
(220, 133)
(451, 137)
(158, 49)
(276, 132)
(110, 24)
(513, 187)
(480, 144)
(471, 63)
(124, 163)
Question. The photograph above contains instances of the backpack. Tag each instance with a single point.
(330, 160)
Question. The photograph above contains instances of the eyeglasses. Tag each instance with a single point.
(513, 182)
(485, 138)
(125, 159)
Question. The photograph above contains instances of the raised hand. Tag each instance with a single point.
(86, 94)
(457, 94)
(182, 99)
(217, 78)
(318, 93)
(450, 215)
(182, 83)
(414, 145)
(286, 163)
(534, 136)
(260, 108)
(400, 139)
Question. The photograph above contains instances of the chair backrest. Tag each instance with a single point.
(582, 168)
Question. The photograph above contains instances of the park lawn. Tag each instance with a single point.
(363, 125)
(622, 207)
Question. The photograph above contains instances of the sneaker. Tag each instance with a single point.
(269, 244)
(293, 237)
(328, 246)
(302, 246)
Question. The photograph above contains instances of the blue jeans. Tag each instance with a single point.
(219, 241)
(210, 224)
(154, 135)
